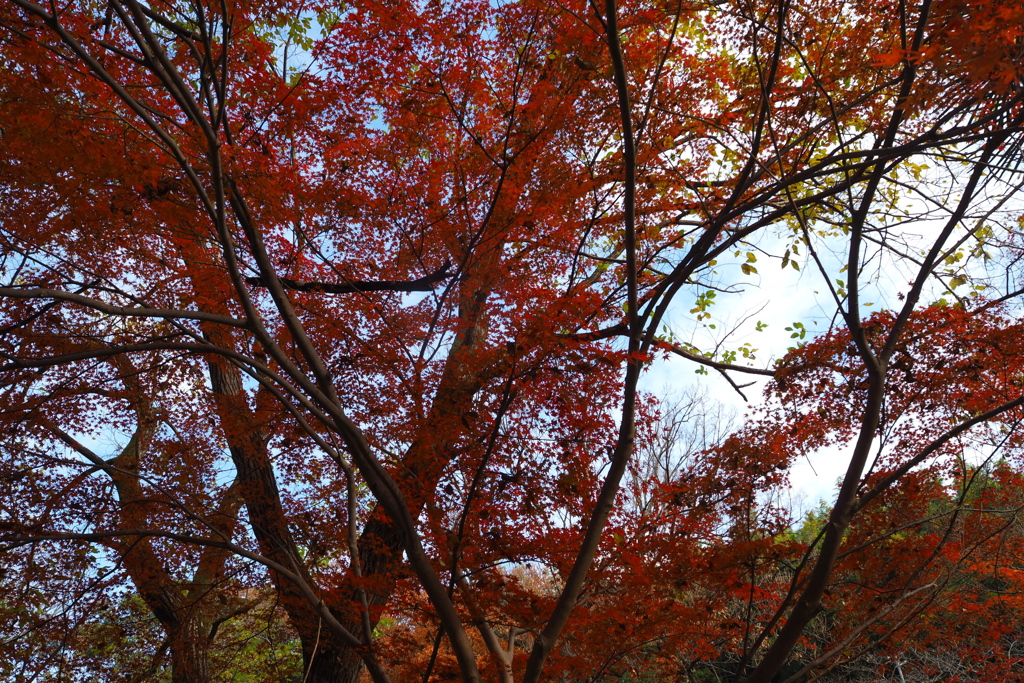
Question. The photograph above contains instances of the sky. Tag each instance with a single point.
(790, 297)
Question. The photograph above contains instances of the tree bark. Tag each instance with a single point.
(247, 444)
(187, 632)
(190, 650)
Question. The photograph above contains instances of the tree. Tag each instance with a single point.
(413, 283)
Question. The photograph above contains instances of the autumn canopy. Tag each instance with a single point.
(332, 338)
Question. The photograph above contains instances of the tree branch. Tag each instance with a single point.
(423, 284)
(126, 311)
(718, 365)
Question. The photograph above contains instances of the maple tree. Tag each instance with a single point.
(364, 293)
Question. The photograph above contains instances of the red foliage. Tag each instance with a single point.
(348, 306)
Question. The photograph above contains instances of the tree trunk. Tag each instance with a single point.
(190, 647)
(258, 487)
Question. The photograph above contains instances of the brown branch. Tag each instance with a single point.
(111, 309)
(718, 365)
(604, 333)
(171, 26)
(423, 284)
